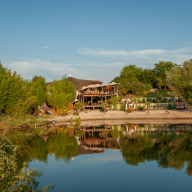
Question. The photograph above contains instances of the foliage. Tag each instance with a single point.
(135, 87)
(147, 103)
(160, 70)
(78, 105)
(61, 94)
(116, 80)
(36, 77)
(129, 110)
(170, 107)
(71, 119)
(39, 90)
(122, 107)
(13, 178)
(180, 77)
(131, 73)
(140, 108)
(15, 97)
(104, 106)
(63, 146)
(148, 87)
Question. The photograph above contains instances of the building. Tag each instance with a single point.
(92, 93)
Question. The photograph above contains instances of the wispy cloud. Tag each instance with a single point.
(48, 47)
(102, 159)
(142, 56)
(50, 70)
(121, 53)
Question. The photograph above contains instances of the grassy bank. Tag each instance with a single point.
(7, 122)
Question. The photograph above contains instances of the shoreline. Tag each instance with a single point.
(154, 115)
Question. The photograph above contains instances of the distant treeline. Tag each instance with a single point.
(137, 80)
(19, 96)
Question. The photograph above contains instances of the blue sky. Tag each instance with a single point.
(92, 39)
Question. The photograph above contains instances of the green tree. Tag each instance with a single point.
(180, 77)
(116, 79)
(15, 97)
(61, 94)
(160, 70)
(36, 77)
(39, 91)
(131, 73)
(148, 76)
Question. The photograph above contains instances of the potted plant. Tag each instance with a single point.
(99, 102)
(89, 102)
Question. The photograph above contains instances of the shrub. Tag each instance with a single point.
(122, 107)
(71, 119)
(139, 100)
(114, 106)
(169, 107)
(76, 113)
(129, 110)
(140, 108)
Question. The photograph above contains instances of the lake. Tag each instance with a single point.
(122, 157)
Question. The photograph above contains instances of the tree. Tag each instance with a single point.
(116, 79)
(148, 76)
(131, 73)
(135, 87)
(15, 97)
(39, 91)
(160, 70)
(61, 94)
(180, 77)
(36, 77)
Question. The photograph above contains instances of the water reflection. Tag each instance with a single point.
(169, 145)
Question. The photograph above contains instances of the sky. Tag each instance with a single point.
(92, 39)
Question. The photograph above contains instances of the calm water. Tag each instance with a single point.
(127, 157)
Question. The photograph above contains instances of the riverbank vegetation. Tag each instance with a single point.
(15, 177)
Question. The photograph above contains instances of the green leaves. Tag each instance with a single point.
(15, 97)
(62, 93)
(180, 77)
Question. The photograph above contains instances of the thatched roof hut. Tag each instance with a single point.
(44, 106)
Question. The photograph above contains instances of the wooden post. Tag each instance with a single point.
(83, 99)
(91, 100)
(105, 98)
(101, 100)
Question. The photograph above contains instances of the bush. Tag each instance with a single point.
(139, 100)
(122, 107)
(129, 110)
(76, 113)
(140, 108)
(169, 107)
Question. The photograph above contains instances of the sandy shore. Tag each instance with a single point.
(172, 116)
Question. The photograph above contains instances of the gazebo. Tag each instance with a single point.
(44, 107)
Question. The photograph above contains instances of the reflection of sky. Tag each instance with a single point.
(108, 172)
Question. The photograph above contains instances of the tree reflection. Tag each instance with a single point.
(140, 149)
(63, 146)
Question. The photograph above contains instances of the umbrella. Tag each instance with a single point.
(44, 107)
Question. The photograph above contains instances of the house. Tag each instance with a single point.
(92, 93)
